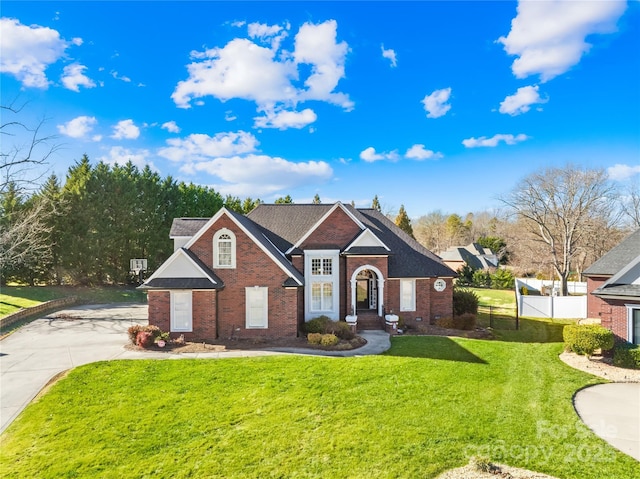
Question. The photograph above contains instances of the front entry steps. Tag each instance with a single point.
(369, 320)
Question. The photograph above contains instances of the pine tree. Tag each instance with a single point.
(316, 199)
(375, 204)
(284, 200)
(403, 221)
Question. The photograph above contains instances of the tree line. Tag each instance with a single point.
(86, 229)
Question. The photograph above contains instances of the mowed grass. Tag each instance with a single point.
(426, 406)
(13, 298)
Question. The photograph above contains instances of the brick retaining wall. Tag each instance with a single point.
(41, 308)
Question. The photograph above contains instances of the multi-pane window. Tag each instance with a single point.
(224, 250)
(257, 307)
(321, 266)
(321, 296)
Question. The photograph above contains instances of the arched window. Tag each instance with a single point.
(224, 249)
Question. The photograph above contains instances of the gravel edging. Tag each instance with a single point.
(470, 472)
(599, 367)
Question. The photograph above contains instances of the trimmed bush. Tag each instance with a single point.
(144, 339)
(464, 301)
(314, 338)
(586, 338)
(626, 355)
(329, 340)
(133, 332)
(503, 279)
(342, 330)
(466, 322)
(445, 322)
(317, 325)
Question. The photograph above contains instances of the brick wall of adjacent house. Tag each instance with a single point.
(254, 268)
(611, 312)
(335, 232)
(430, 304)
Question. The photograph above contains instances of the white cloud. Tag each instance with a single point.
(419, 152)
(494, 140)
(521, 100)
(260, 174)
(126, 130)
(171, 127)
(316, 45)
(286, 119)
(269, 76)
(78, 127)
(620, 172)
(27, 51)
(73, 77)
(117, 76)
(201, 147)
(435, 104)
(369, 155)
(548, 37)
(390, 55)
(121, 156)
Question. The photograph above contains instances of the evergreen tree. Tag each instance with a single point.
(284, 200)
(403, 221)
(316, 199)
(375, 204)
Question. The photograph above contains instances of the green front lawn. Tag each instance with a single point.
(426, 406)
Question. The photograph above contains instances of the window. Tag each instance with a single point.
(321, 266)
(321, 296)
(407, 295)
(634, 324)
(224, 249)
(181, 311)
(257, 312)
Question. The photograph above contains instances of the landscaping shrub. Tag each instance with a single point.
(445, 322)
(329, 340)
(524, 290)
(314, 338)
(464, 301)
(586, 338)
(626, 355)
(342, 330)
(133, 332)
(481, 279)
(317, 325)
(144, 339)
(503, 279)
(466, 322)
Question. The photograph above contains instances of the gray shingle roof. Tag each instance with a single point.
(186, 226)
(616, 258)
(180, 283)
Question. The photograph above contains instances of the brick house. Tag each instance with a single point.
(266, 273)
(613, 283)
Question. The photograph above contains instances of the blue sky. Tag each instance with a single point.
(437, 106)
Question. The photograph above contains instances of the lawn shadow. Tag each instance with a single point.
(432, 347)
(532, 331)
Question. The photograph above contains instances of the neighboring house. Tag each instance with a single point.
(266, 273)
(613, 283)
(474, 255)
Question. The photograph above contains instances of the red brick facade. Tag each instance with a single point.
(221, 313)
(613, 313)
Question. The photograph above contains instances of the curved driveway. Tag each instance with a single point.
(38, 351)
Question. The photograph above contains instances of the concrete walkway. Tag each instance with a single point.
(33, 355)
(612, 411)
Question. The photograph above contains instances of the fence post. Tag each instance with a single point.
(491, 316)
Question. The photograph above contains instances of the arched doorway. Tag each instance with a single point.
(366, 290)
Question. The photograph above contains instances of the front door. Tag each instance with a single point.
(366, 290)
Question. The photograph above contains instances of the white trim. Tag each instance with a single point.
(189, 318)
(366, 232)
(333, 279)
(181, 252)
(412, 306)
(380, 286)
(216, 252)
(217, 216)
(630, 309)
(322, 220)
(261, 293)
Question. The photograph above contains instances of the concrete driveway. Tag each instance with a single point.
(612, 411)
(34, 354)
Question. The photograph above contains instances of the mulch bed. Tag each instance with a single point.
(433, 330)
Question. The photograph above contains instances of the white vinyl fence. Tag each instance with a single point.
(550, 306)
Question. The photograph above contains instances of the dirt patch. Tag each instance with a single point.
(248, 345)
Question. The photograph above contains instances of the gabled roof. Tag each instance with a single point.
(624, 284)
(183, 270)
(407, 258)
(616, 258)
(256, 233)
(186, 227)
(476, 256)
(366, 241)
